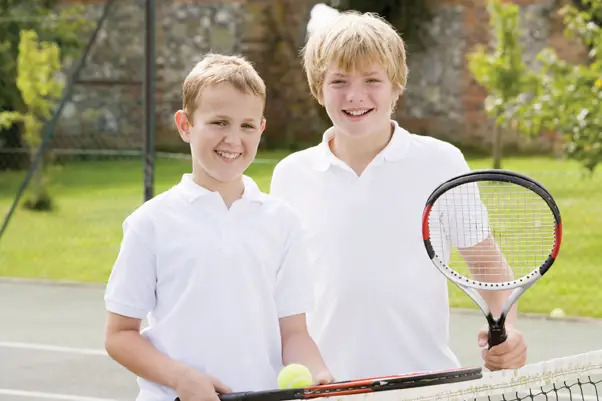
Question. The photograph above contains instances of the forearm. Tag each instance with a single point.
(301, 348)
(487, 263)
(138, 355)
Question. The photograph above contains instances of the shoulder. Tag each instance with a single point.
(279, 210)
(434, 147)
(299, 161)
(147, 215)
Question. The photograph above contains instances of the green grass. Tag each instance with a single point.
(79, 240)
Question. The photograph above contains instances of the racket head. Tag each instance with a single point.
(516, 212)
(361, 386)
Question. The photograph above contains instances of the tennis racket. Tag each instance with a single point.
(359, 386)
(492, 230)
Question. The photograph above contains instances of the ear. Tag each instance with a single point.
(183, 125)
(262, 126)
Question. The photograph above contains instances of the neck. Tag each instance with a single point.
(230, 191)
(358, 152)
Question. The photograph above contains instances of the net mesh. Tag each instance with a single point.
(574, 378)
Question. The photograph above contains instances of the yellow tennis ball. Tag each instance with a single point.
(294, 376)
(557, 313)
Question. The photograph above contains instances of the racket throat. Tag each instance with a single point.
(497, 330)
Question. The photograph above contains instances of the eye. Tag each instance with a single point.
(221, 123)
(337, 82)
(373, 80)
(248, 126)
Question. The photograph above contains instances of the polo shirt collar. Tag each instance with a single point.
(395, 150)
(192, 191)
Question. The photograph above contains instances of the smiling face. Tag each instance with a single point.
(223, 134)
(358, 102)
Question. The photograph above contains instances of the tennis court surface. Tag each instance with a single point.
(51, 348)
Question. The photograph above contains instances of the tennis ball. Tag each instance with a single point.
(557, 313)
(294, 376)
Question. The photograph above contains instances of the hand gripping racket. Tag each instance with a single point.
(492, 230)
(359, 386)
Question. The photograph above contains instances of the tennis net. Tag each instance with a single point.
(574, 378)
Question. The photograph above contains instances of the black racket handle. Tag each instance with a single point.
(268, 395)
(497, 335)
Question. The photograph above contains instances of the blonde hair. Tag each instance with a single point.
(352, 42)
(218, 68)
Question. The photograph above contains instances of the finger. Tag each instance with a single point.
(507, 347)
(220, 387)
(506, 361)
(517, 362)
(483, 337)
(514, 343)
(489, 355)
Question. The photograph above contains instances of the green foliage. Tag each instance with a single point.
(567, 98)
(38, 64)
(501, 70)
(64, 26)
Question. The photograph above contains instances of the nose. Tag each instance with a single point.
(356, 93)
(232, 137)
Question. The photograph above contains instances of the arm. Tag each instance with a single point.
(299, 347)
(497, 270)
(125, 345)
(513, 352)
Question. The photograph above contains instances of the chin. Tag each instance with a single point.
(226, 178)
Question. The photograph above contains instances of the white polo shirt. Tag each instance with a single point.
(381, 307)
(212, 282)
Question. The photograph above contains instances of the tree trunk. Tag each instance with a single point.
(497, 146)
(39, 199)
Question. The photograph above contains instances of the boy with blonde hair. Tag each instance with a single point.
(217, 267)
(381, 307)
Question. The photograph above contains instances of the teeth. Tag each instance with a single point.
(356, 112)
(227, 155)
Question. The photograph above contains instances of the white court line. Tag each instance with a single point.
(50, 396)
(53, 348)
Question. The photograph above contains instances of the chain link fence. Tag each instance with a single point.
(94, 167)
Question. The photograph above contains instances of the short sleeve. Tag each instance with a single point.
(280, 186)
(458, 217)
(131, 287)
(464, 217)
(294, 290)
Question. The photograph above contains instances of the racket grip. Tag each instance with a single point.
(497, 335)
(229, 396)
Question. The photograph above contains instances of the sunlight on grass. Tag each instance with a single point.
(80, 239)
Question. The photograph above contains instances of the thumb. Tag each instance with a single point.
(483, 337)
(220, 387)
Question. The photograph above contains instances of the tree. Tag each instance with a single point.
(63, 27)
(567, 98)
(501, 70)
(38, 64)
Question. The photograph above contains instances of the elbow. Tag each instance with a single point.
(109, 342)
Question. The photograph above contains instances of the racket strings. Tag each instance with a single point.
(501, 230)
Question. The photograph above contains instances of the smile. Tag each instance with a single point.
(228, 155)
(357, 112)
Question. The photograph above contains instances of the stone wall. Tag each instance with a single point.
(106, 109)
(442, 99)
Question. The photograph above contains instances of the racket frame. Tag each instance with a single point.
(497, 332)
(360, 386)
